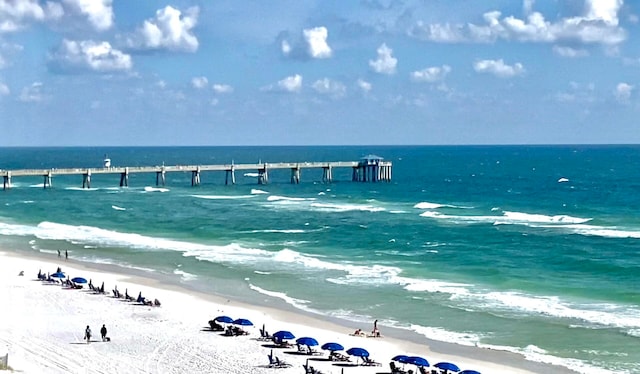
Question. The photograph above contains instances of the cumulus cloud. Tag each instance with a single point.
(385, 63)
(89, 55)
(623, 92)
(498, 68)
(431, 74)
(99, 12)
(4, 89)
(285, 47)
(170, 29)
(32, 93)
(364, 85)
(15, 15)
(222, 88)
(316, 39)
(329, 87)
(291, 83)
(598, 23)
(199, 82)
(570, 52)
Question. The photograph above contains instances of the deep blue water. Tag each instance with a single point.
(533, 249)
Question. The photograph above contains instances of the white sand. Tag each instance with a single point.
(42, 328)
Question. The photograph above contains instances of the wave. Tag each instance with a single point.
(115, 207)
(222, 197)
(297, 303)
(185, 276)
(333, 207)
(258, 192)
(273, 231)
(563, 180)
(155, 189)
(81, 189)
(286, 198)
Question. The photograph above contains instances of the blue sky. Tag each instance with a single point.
(250, 72)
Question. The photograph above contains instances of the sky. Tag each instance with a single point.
(330, 72)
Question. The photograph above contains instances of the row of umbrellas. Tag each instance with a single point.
(420, 361)
(355, 351)
(60, 274)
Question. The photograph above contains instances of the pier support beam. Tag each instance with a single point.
(124, 178)
(47, 180)
(195, 177)
(327, 174)
(86, 179)
(295, 175)
(161, 178)
(7, 181)
(263, 175)
(230, 173)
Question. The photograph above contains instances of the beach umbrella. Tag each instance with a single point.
(311, 342)
(401, 359)
(332, 347)
(417, 360)
(79, 280)
(223, 319)
(58, 274)
(283, 335)
(358, 352)
(447, 366)
(469, 372)
(243, 322)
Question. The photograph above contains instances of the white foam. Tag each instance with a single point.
(298, 303)
(223, 197)
(155, 189)
(115, 207)
(563, 180)
(440, 334)
(81, 189)
(185, 276)
(541, 218)
(332, 207)
(282, 231)
(258, 192)
(285, 198)
(427, 205)
(251, 175)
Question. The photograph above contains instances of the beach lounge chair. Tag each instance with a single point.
(264, 335)
(395, 369)
(215, 326)
(366, 361)
(282, 364)
(156, 302)
(422, 370)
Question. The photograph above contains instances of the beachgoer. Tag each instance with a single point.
(58, 253)
(103, 332)
(87, 334)
(66, 254)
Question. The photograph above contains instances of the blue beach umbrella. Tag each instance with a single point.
(469, 372)
(311, 342)
(332, 347)
(79, 280)
(283, 335)
(223, 319)
(401, 359)
(358, 352)
(418, 361)
(242, 322)
(447, 366)
(58, 274)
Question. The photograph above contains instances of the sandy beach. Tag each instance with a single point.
(42, 330)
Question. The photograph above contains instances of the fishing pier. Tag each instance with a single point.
(368, 169)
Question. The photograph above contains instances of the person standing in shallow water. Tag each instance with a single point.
(66, 254)
(103, 332)
(87, 334)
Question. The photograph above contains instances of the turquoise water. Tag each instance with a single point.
(528, 249)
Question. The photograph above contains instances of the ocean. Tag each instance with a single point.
(530, 249)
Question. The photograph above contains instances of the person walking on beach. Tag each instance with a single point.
(103, 332)
(66, 255)
(58, 253)
(87, 334)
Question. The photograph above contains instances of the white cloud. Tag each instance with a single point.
(316, 39)
(623, 92)
(329, 87)
(570, 52)
(598, 23)
(170, 29)
(285, 47)
(364, 85)
(498, 68)
(99, 12)
(4, 89)
(90, 55)
(199, 82)
(289, 84)
(431, 74)
(15, 15)
(32, 93)
(222, 88)
(385, 63)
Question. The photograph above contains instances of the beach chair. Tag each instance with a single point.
(264, 335)
(366, 361)
(395, 369)
(422, 370)
(282, 364)
(156, 302)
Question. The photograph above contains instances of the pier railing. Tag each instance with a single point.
(362, 171)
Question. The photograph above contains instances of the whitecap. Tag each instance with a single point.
(115, 207)
(155, 189)
(258, 192)
(563, 180)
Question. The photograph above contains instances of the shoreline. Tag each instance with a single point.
(206, 306)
